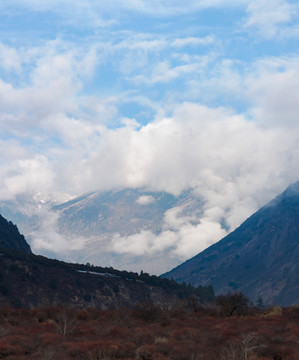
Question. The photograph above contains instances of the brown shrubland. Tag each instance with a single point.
(148, 333)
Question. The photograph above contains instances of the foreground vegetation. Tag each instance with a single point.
(147, 332)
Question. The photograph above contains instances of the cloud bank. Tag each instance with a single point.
(233, 164)
(182, 237)
(160, 95)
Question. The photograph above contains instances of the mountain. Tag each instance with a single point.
(93, 227)
(106, 219)
(125, 212)
(10, 238)
(259, 258)
(30, 281)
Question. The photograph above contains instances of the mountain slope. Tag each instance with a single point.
(28, 280)
(105, 219)
(126, 211)
(121, 228)
(10, 238)
(31, 281)
(259, 258)
(93, 227)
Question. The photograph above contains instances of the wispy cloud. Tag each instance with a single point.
(192, 41)
(269, 16)
(46, 236)
(156, 8)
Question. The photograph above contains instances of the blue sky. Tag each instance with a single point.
(166, 95)
(140, 55)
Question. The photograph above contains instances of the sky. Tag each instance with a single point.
(161, 94)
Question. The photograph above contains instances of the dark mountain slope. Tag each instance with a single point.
(31, 281)
(10, 238)
(28, 280)
(260, 258)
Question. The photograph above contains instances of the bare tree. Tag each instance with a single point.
(65, 320)
(240, 350)
(250, 342)
(231, 351)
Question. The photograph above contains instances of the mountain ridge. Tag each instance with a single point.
(259, 258)
(30, 281)
(10, 237)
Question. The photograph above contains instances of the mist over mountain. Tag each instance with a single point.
(131, 229)
(259, 258)
(125, 212)
(135, 229)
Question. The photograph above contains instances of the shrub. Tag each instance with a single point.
(232, 303)
(148, 312)
(145, 352)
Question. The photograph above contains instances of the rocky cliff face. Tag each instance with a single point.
(10, 238)
(260, 258)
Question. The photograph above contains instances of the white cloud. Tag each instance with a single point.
(47, 237)
(143, 42)
(145, 200)
(267, 88)
(193, 41)
(163, 72)
(27, 175)
(43, 102)
(193, 234)
(143, 243)
(228, 160)
(181, 237)
(155, 8)
(194, 239)
(235, 166)
(74, 132)
(9, 58)
(273, 89)
(62, 132)
(268, 15)
(51, 88)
